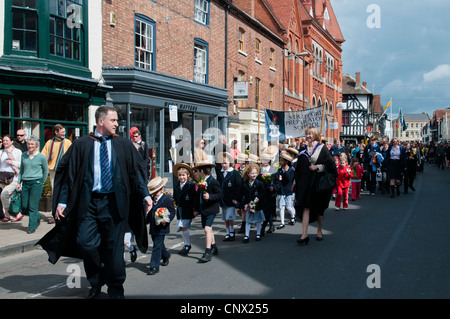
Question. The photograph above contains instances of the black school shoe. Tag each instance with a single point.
(185, 250)
(153, 271)
(205, 258)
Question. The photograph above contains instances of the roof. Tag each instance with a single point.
(331, 24)
(349, 86)
(416, 117)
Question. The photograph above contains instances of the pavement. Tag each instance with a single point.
(14, 237)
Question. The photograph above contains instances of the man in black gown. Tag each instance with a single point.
(99, 188)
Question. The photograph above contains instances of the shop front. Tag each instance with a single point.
(171, 114)
(37, 100)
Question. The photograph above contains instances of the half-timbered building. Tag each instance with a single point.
(357, 101)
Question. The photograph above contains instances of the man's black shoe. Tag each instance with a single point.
(153, 271)
(94, 292)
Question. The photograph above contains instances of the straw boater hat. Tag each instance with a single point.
(221, 155)
(203, 163)
(265, 157)
(286, 156)
(183, 165)
(156, 184)
(242, 158)
(248, 167)
(271, 150)
(252, 158)
(292, 151)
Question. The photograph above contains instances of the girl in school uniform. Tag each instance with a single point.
(186, 202)
(253, 200)
(231, 183)
(356, 176)
(283, 180)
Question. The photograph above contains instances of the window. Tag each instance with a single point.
(201, 11)
(272, 62)
(330, 69)
(345, 118)
(65, 28)
(52, 30)
(144, 30)
(200, 61)
(241, 40)
(257, 91)
(241, 77)
(257, 50)
(24, 26)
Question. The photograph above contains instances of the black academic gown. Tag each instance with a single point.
(74, 180)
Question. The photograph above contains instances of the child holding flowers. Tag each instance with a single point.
(210, 196)
(159, 219)
(253, 200)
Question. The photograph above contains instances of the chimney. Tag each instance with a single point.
(358, 80)
(365, 84)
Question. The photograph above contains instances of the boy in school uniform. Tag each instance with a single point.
(159, 224)
(210, 196)
(231, 183)
(186, 201)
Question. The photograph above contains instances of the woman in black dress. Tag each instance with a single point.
(310, 203)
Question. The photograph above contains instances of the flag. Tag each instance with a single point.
(387, 105)
(402, 121)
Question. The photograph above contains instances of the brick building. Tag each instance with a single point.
(254, 58)
(312, 60)
(165, 61)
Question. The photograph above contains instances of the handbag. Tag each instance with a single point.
(325, 181)
(6, 177)
(15, 204)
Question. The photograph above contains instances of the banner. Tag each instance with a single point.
(292, 124)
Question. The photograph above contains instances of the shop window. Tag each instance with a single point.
(144, 43)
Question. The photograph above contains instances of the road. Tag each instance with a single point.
(405, 239)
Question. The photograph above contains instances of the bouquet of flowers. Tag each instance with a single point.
(277, 165)
(201, 185)
(267, 178)
(162, 216)
(251, 207)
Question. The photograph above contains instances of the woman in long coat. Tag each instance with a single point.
(310, 203)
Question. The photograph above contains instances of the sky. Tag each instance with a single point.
(401, 48)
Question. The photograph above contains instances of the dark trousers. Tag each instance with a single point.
(371, 181)
(159, 251)
(100, 240)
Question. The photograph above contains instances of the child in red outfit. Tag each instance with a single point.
(342, 184)
(356, 176)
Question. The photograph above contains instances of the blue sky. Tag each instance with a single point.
(401, 48)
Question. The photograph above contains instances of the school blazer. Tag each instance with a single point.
(186, 200)
(212, 205)
(231, 187)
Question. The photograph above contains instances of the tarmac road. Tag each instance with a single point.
(381, 248)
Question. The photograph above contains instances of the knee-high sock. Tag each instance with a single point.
(186, 237)
(291, 211)
(247, 229)
(258, 228)
(282, 214)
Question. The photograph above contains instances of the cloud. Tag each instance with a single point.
(440, 72)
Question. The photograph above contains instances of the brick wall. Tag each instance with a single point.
(175, 33)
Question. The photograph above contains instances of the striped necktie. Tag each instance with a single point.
(104, 165)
